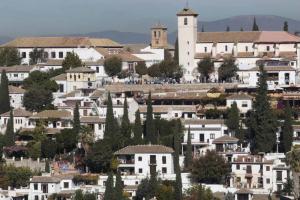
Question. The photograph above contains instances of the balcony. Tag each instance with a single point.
(125, 163)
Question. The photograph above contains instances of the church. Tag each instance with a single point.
(277, 48)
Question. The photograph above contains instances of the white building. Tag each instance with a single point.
(265, 173)
(16, 95)
(21, 119)
(245, 47)
(243, 102)
(17, 74)
(140, 159)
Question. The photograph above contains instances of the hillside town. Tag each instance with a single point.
(214, 116)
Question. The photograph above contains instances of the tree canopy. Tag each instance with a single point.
(4, 94)
(113, 66)
(227, 70)
(205, 68)
(141, 68)
(37, 56)
(9, 56)
(72, 60)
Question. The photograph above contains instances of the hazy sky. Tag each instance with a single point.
(38, 17)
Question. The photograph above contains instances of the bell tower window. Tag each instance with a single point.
(185, 21)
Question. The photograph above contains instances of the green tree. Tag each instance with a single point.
(9, 56)
(229, 196)
(100, 156)
(113, 66)
(78, 195)
(141, 69)
(150, 127)
(109, 188)
(37, 56)
(188, 159)
(34, 149)
(4, 94)
(66, 141)
(18, 176)
(176, 52)
(177, 144)
(72, 60)
(154, 71)
(9, 132)
(233, 119)
(137, 129)
(211, 168)
(287, 129)
(40, 79)
(90, 196)
(286, 26)
(255, 26)
(144, 190)
(242, 29)
(76, 120)
(47, 166)
(199, 192)
(37, 99)
(205, 68)
(48, 148)
(170, 69)
(118, 191)
(262, 123)
(227, 70)
(125, 124)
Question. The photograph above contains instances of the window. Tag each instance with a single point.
(267, 168)
(212, 136)
(188, 53)
(23, 54)
(164, 160)
(244, 104)
(278, 175)
(279, 187)
(226, 48)
(140, 158)
(70, 76)
(185, 21)
(154, 33)
(164, 170)
(15, 75)
(237, 166)
(176, 114)
(61, 54)
(136, 182)
(140, 170)
(205, 49)
(35, 186)
(238, 179)
(66, 184)
(36, 197)
(268, 181)
(53, 54)
(97, 69)
(192, 136)
(61, 88)
(99, 126)
(246, 49)
(268, 48)
(203, 126)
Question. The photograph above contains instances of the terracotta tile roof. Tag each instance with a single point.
(178, 95)
(277, 37)
(61, 77)
(227, 37)
(135, 48)
(61, 42)
(15, 90)
(17, 68)
(62, 114)
(266, 55)
(288, 54)
(245, 54)
(242, 96)
(225, 140)
(44, 179)
(168, 108)
(80, 70)
(104, 52)
(187, 12)
(202, 121)
(244, 191)
(158, 26)
(97, 94)
(202, 55)
(274, 68)
(18, 113)
(92, 119)
(129, 150)
(128, 57)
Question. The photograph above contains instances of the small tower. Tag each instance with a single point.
(159, 37)
(187, 38)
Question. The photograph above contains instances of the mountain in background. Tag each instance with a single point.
(265, 22)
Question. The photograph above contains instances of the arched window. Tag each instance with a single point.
(185, 21)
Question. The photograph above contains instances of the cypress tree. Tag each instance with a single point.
(176, 52)
(118, 187)
(286, 26)
(177, 143)
(137, 129)
(287, 129)
(150, 127)
(242, 29)
(202, 29)
(227, 29)
(9, 133)
(189, 154)
(109, 188)
(76, 119)
(262, 123)
(255, 26)
(232, 122)
(4, 94)
(125, 124)
(47, 166)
